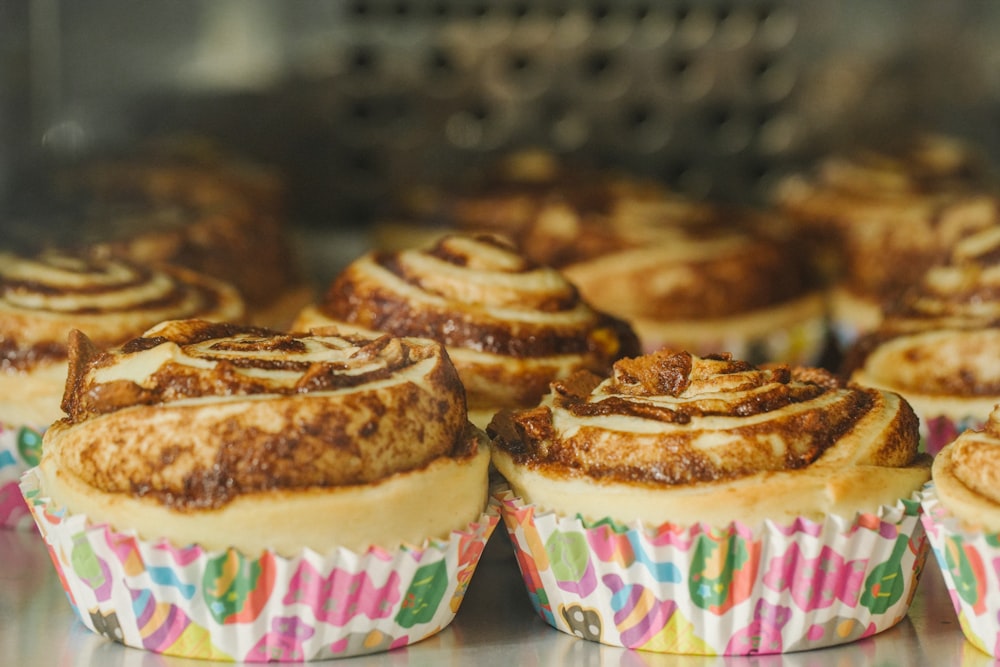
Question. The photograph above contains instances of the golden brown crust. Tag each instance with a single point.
(889, 214)
(510, 326)
(43, 298)
(942, 340)
(967, 476)
(672, 425)
(530, 196)
(673, 418)
(407, 508)
(187, 206)
(195, 414)
(639, 252)
(693, 262)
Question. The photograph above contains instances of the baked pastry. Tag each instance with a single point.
(879, 218)
(43, 298)
(512, 196)
(962, 517)
(510, 326)
(306, 458)
(684, 274)
(939, 345)
(701, 277)
(698, 485)
(194, 207)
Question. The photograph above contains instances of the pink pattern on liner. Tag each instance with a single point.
(341, 596)
(816, 583)
(283, 643)
(12, 506)
(763, 635)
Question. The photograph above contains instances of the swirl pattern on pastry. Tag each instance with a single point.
(184, 205)
(670, 430)
(522, 194)
(252, 409)
(510, 326)
(942, 340)
(207, 427)
(43, 297)
(891, 213)
(692, 261)
(967, 475)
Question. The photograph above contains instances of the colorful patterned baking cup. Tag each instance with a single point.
(969, 561)
(799, 344)
(706, 590)
(231, 606)
(20, 449)
(938, 431)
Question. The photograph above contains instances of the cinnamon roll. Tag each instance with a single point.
(684, 274)
(519, 193)
(706, 278)
(961, 512)
(939, 346)
(44, 297)
(509, 325)
(878, 218)
(234, 436)
(205, 210)
(673, 436)
(967, 476)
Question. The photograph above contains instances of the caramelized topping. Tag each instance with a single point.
(675, 418)
(42, 298)
(476, 293)
(943, 336)
(195, 413)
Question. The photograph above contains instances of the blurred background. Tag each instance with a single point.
(352, 98)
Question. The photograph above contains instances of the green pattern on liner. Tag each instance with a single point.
(885, 584)
(424, 596)
(568, 554)
(227, 582)
(606, 521)
(29, 445)
(712, 593)
(965, 574)
(85, 563)
(911, 507)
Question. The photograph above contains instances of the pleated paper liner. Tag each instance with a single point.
(20, 449)
(939, 430)
(970, 564)
(730, 590)
(227, 605)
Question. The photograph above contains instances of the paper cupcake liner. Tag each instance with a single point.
(970, 564)
(20, 449)
(799, 344)
(729, 590)
(227, 605)
(940, 430)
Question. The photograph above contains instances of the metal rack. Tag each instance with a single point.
(356, 97)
